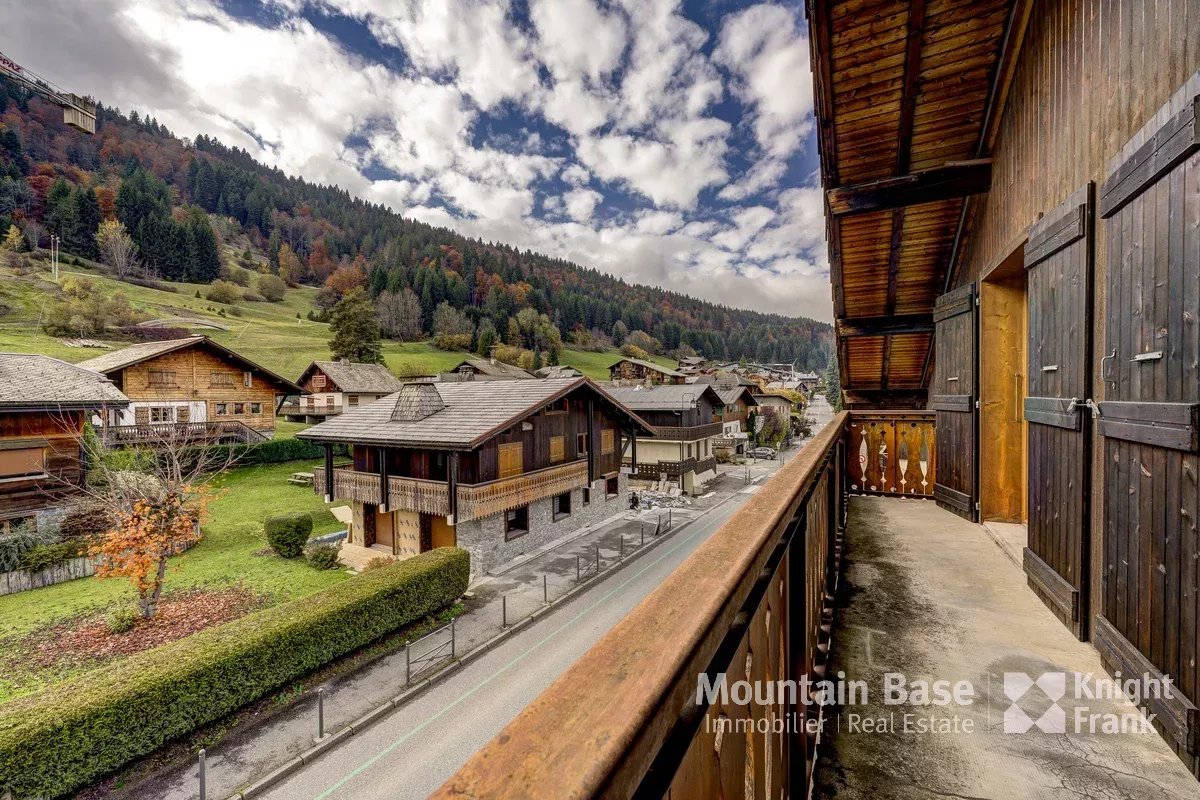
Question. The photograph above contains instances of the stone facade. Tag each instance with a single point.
(484, 538)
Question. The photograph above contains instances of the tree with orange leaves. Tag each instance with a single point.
(141, 538)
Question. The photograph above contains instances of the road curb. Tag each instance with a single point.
(278, 774)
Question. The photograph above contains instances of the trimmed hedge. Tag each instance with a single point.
(287, 533)
(72, 733)
(277, 451)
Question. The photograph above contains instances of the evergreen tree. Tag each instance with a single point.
(355, 330)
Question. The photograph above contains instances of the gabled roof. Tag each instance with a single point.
(648, 365)
(494, 369)
(137, 353)
(472, 412)
(30, 382)
(349, 376)
(668, 397)
(730, 394)
(563, 371)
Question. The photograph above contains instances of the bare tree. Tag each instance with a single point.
(34, 231)
(152, 495)
(117, 248)
(399, 314)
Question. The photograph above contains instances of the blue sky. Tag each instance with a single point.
(667, 142)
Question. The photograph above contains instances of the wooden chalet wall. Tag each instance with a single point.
(483, 465)
(58, 433)
(628, 371)
(194, 368)
(1094, 82)
(686, 418)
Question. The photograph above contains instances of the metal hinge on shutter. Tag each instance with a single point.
(977, 404)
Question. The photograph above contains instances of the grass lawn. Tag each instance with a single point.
(275, 335)
(225, 556)
(288, 430)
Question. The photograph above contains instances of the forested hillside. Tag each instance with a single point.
(425, 281)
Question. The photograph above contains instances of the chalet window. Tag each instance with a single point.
(607, 441)
(511, 459)
(352, 399)
(558, 449)
(582, 444)
(516, 522)
(557, 407)
(562, 506)
(318, 381)
(239, 409)
(24, 462)
(162, 414)
(247, 379)
(612, 487)
(222, 409)
(160, 377)
(220, 379)
(256, 408)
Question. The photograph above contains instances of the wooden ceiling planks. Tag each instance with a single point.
(903, 86)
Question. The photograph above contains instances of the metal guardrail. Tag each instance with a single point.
(444, 651)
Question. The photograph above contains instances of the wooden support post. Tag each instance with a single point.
(381, 455)
(328, 473)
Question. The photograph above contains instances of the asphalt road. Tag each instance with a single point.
(416, 749)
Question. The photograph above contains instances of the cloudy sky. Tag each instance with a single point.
(667, 142)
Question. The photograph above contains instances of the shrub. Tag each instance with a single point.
(323, 556)
(122, 620)
(71, 733)
(14, 545)
(45, 556)
(289, 532)
(226, 292)
(271, 287)
(253, 297)
(139, 334)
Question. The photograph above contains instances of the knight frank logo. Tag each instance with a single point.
(1034, 694)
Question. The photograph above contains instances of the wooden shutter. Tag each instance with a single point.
(558, 449)
(953, 400)
(141, 415)
(1149, 415)
(1058, 264)
(22, 461)
(511, 459)
(607, 441)
(183, 414)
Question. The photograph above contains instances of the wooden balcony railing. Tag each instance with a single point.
(891, 453)
(404, 494)
(689, 434)
(485, 499)
(754, 601)
(198, 433)
(433, 497)
(298, 409)
(660, 469)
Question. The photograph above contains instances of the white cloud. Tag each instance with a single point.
(631, 83)
(767, 53)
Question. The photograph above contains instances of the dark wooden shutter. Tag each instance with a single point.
(953, 398)
(1150, 618)
(1058, 261)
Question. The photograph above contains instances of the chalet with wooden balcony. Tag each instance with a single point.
(629, 371)
(44, 404)
(680, 446)
(738, 402)
(193, 389)
(495, 467)
(1010, 500)
(331, 387)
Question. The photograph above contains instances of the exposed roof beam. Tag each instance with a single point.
(885, 326)
(955, 179)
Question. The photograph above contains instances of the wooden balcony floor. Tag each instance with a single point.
(934, 597)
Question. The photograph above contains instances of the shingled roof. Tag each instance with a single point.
(137, 353)
(471, 413)
(648, 365)
(495, 369)
(30, 381)
(669, 397)
(350, 376)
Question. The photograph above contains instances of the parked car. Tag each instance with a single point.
(763, 452)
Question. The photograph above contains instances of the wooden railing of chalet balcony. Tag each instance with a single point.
(404, 494)
(180, 433)
(689, 434)
(754, 601)
(485, 499)
(659, 469)
(891, 453)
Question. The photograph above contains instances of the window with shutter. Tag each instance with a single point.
(558, 449)
(511, 459)
(608, 441)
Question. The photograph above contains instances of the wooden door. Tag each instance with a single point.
(953, 400)
(1150, 619)
(1058, 264)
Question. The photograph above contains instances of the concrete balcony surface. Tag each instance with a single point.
(934, 597)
